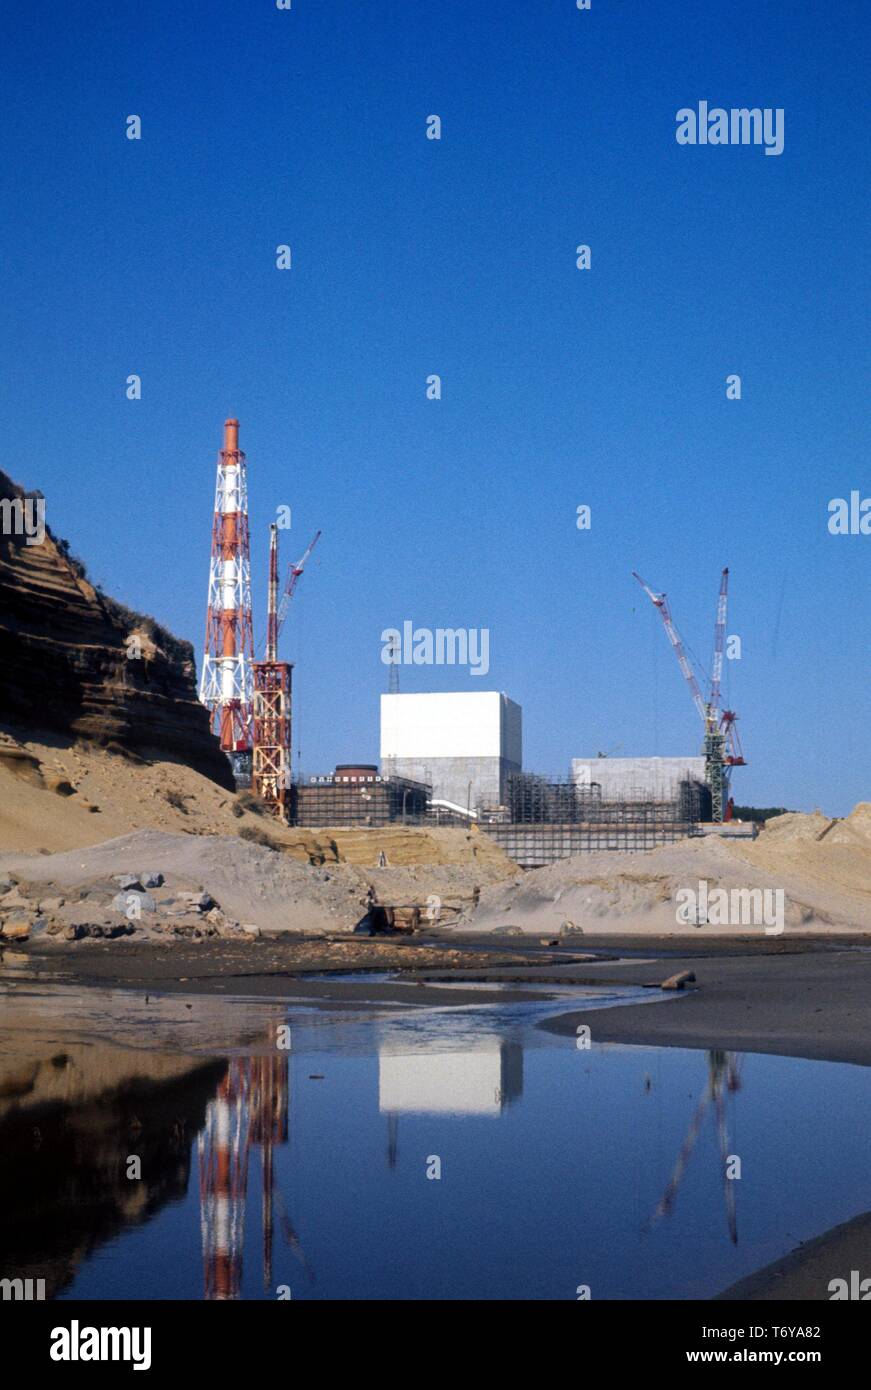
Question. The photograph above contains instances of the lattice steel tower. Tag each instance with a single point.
(272, 694)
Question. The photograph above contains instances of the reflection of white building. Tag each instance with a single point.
(480, 1081)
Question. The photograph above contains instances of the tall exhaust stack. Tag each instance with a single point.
(225, 684)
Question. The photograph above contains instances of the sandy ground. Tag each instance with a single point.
(807, 1272)
(822, 867)
(56, 796)
(807, 998)
(252, 884)
(812, 1000)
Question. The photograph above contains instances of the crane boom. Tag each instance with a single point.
(719, 633)
(293, 575)
(719, 728)
(660, 602)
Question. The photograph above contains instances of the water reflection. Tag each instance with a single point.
(69, 1124)
(306, 1170)
(724, 1080)
(249, 1109)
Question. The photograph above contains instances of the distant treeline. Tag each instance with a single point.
(760, 812)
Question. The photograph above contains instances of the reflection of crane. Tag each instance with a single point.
(720, 727)
(724, 1075)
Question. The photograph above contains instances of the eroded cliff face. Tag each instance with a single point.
(74, 661)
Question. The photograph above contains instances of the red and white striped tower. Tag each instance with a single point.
(225, 685)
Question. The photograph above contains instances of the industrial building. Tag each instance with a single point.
(357, 795)
(638, 779)
(463, 744)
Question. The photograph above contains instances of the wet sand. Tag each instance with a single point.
(807, 1272)
(807, 1000)
(800, 998)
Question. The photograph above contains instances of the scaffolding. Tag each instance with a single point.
(547, 819)
(358, 801)
(271, 733)
(542, 819)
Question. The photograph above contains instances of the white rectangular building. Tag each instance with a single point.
(465, 744)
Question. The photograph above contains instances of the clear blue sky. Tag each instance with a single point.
(457, 257)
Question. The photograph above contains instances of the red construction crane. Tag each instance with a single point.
(719, 725)
(271, 772)
(293, 574)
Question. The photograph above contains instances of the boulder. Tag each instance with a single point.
(128, 881)
(200, 902)
(151, 878)
(14, 902)
(17, 929)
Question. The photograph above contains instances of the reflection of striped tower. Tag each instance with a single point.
(225, 686)
(250, 1108)
(223, 1155)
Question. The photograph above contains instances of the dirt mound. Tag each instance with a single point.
(57, 794)
(855, 829)
(403, 846)
(270, 888)
(251, 884)
(826, 886)
(795, 825)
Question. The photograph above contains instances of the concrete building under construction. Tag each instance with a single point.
(638, 779)
(464, 744)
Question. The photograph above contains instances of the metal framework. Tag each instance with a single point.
(375, 801)
(271, 734)
(271, 726)
(720, 729)
(548, 819)
(225, 683)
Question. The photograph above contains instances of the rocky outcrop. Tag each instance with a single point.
(73, 660)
